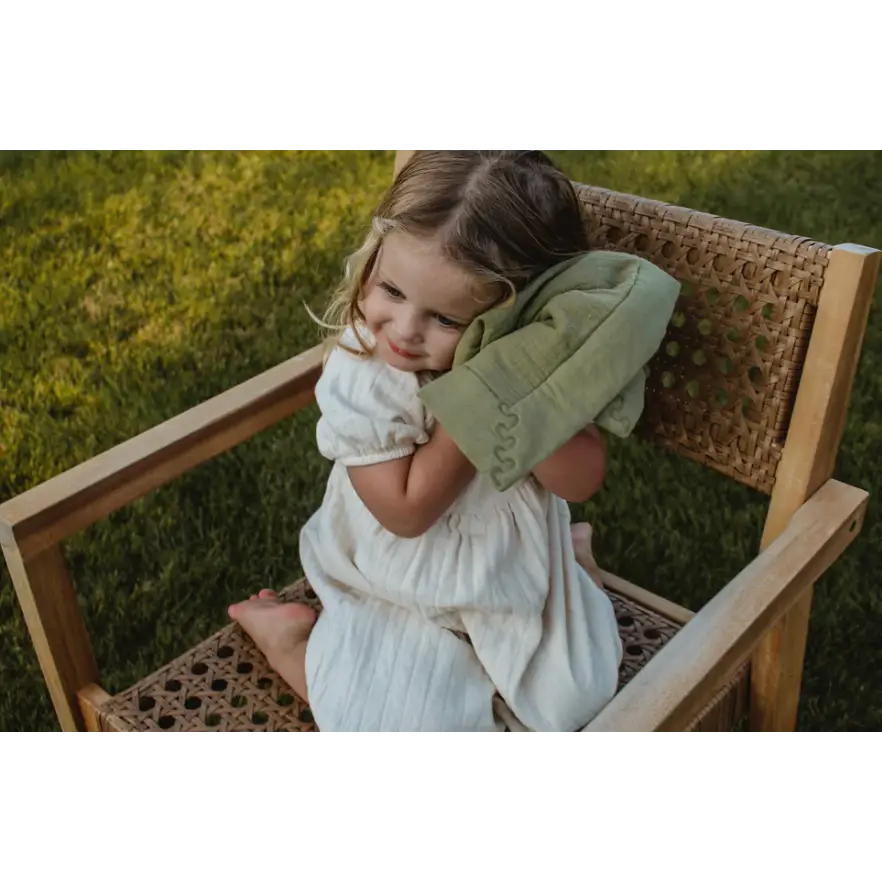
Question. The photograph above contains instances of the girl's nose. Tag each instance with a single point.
(408, 326)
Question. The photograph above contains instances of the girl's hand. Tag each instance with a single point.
(576, 471)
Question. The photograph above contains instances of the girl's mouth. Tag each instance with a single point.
(402, 352)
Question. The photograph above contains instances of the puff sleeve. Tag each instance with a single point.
(370, 412)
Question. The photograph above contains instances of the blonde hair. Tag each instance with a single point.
(505, 216)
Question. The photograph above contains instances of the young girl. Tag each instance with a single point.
(447, 605)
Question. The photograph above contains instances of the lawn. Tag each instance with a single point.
(135, 285)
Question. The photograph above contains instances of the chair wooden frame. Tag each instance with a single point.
(760, 616)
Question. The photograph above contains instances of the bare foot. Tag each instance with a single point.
(280, 631)
(582, 534)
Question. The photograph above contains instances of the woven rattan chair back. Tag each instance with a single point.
(722, 387)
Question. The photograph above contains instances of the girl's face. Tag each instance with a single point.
(417, 303)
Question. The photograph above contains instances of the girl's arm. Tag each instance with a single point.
(576, 471)
(408, 495)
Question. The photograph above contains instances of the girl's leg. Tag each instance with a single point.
(280, 631)
(558, 667)
(377, 667)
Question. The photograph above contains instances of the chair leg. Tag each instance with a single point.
(813, 438)
(56, 626)
(776, 671)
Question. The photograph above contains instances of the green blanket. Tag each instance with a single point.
(569, 351)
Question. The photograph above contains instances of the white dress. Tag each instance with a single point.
(542, 638)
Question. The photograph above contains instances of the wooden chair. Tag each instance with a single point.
(753, 380)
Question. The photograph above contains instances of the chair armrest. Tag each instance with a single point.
(673, 688)
(56, 509)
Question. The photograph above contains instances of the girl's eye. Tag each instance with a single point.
(394, 293)
(446, 322)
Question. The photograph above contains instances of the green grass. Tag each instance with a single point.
(136, 285)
